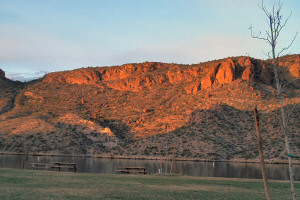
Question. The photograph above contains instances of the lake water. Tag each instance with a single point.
(207, 169)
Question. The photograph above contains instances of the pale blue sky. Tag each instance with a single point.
(55, 35)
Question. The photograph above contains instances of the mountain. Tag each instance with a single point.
(201, 111)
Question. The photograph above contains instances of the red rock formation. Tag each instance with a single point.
(294, 74)
(226, 72)
(127, 77)
(290, 69)
(180, 76)
(194, 88)
(294, 70)
(248, 74)
(135, 77)
(249, 71)
(137, 83)
(244, 61)
(210, 76)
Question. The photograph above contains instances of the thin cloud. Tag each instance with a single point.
(25, 76)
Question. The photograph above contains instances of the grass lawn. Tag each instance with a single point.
(27, 184)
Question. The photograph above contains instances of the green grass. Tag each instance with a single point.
(27, 184)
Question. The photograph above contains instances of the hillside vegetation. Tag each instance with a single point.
(201, 111)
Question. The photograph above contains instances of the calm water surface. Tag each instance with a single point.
(217, 169)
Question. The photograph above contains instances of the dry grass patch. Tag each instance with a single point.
(26, 184)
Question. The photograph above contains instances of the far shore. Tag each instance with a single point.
(296, 162)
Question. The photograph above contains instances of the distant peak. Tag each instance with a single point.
(2, 74)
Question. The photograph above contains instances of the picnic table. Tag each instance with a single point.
(63, 165)
(128, 170)
(40, 166)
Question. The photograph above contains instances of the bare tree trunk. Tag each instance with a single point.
(276, 23)
(284, 119)
(285, 129)
(261, 155)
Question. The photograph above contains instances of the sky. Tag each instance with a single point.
(37, 37)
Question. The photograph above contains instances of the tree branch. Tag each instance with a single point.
(288, 83)
(287, 47)
(267, 54)
(258, 35)
(290, 112)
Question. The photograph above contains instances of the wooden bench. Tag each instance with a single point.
(62, 165)
(40, 166)
(128, 170)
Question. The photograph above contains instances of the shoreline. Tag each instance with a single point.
(296, 162)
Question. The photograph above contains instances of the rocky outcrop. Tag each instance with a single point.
(294, 70)
(249, 71)
(148, 75)
(226, 72)
(290, 69)
(87, 76)
(294, 74)
(193, 88)
(210, 76)
(179, 76)
(137, 83)
(133, 77)
(248, 74)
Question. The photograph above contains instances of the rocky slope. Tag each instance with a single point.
(153, 109)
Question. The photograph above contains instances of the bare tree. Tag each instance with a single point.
(276, 23)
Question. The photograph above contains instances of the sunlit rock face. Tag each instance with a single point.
(226, 72)
(149, 75)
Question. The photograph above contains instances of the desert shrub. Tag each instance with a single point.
(186, 152)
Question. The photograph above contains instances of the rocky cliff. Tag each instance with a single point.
(135, 77)
(155, 109)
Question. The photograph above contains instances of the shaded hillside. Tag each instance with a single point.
(153, 109)
(221, 132)
(8, 91)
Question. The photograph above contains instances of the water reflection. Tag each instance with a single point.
(207, 169)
